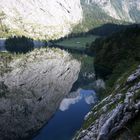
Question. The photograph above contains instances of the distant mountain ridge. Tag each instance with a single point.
(127, 10)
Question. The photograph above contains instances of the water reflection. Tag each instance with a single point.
(74, 97)
(69, 117)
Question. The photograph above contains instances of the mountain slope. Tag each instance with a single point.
(93, 16)
(126, 10)
(99, 12)
(115, 51)
(38, 18)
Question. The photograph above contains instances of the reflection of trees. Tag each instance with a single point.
(19, 44)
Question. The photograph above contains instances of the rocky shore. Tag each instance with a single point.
(115, 113)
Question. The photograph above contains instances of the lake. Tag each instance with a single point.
(69, 116)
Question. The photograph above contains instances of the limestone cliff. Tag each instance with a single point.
(41, 18)
(31, 89)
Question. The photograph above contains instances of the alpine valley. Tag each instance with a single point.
(69, 69)
(57, 18)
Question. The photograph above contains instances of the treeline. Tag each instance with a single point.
(18, 44)
(103, 31)
(109, 29)
(69, 36)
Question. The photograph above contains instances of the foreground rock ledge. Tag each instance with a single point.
(114, 113)
(32, 90)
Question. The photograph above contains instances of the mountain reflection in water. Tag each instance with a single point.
(69, 117)
(75, 97)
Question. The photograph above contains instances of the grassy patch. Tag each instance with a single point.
(79, 42)
(89, 121)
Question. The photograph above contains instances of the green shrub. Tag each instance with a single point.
(19, 44)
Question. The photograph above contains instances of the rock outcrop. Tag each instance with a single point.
(115, 112)
(32, 89)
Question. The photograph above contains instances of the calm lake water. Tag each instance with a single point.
(69, 117)
(70, 114)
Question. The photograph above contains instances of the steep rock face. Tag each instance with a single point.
(50, 19)
(115, 112)
(126, 10)
(32, 90)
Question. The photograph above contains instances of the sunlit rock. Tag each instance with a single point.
(42, 19)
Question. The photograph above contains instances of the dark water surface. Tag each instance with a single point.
(69, 117)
